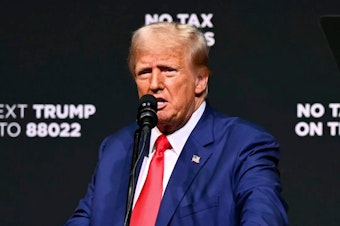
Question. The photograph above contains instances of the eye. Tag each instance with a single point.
(168, 70)
(144, 72)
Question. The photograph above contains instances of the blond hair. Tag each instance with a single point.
(171, 35)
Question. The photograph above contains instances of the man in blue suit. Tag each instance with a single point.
(219, 170)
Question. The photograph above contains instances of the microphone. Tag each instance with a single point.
(147, 112)
(147, 119)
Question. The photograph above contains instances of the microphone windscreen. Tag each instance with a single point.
(147, 111)
(148, 100)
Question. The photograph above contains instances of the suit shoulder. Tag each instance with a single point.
(243, 137)
(238, 127)
(122, 136)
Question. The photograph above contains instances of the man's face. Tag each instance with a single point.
(178, 87)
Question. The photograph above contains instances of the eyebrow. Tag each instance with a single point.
(161, 66)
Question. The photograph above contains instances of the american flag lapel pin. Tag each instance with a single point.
(195, 159)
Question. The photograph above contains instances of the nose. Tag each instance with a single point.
(156, 81)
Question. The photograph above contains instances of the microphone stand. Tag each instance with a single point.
(147, 119)
(131, 189)
(135, 158)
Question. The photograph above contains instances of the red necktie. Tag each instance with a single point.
(146, 209)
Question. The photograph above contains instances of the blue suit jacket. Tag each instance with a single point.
(236, 181)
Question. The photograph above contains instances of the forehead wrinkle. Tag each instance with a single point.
(159, 58)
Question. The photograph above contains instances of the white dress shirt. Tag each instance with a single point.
(177, 141)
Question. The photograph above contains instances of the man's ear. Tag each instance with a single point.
(201, 81)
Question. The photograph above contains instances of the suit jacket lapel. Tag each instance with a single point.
(186, 169)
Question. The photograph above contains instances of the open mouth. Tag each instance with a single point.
(161, 103)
